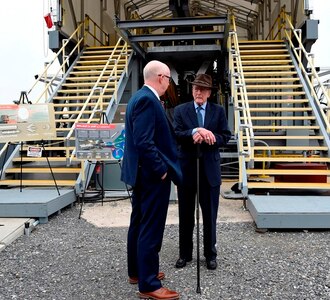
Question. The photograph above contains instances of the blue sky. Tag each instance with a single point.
(24, 43)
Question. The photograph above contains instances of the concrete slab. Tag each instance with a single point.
(11, 229)
(117, 213)
(110, 214)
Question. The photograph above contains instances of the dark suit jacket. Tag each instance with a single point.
(149, 140)
(185, 120)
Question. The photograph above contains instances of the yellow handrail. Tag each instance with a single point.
(66, 57)
(300, 54)
(99, 104)
(96, 29)
(277, 25)
(242, 118)
(55, 59)
(239, 89)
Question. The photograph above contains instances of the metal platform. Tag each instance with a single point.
(274, 211)
(34, 203)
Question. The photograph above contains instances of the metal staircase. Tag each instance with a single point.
(281, 130)
(288, 144)
(87, 91)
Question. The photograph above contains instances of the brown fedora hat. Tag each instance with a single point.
(203, 80)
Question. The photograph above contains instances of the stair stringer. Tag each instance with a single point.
(313, 105)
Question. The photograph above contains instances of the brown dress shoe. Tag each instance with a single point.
(135, 280)
(160, 294)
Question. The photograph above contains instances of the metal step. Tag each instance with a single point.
(72, 112)
(98, 62)
(287, 137)
(78, 91)
(285, 127)
(80, 104)
(284, 158)
(264, 56)
(277, 101)
(287, 172)
(97, 56)
(80, 77)
(261, 46)
(272, 86)
(270, 79)
(42, 159)
(282, 62)
(268, 118)
(289, 185)
(292, 148)
(27, 182)
(93, 70)
(269, 74)
(296, 211)
(74, 98)
(265, 94)
(90, 84)
(43, 170)
(280, 109)
(245, 52)
(270, 67)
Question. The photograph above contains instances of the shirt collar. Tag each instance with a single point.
(153, 90)
(203, 106)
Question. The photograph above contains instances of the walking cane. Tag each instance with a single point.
(198, 289)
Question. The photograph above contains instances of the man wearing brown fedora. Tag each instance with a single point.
(201, 125)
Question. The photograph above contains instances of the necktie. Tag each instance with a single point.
(199, 116)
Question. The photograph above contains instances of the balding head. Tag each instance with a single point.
(153, 69)
(156, 74)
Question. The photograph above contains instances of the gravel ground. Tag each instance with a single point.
(69, 258)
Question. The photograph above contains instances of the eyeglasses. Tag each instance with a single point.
(168, 77)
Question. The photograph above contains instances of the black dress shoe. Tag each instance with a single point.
(211, 264)
(182, 262)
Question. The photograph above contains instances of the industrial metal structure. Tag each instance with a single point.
(258, 53)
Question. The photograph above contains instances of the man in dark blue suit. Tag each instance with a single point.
(199, 124)
(150, 163)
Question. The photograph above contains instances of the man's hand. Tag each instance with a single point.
(204, 135)
(164, 176)
(198, 139)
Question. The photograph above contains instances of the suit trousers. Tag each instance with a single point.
(150, 202)
(209, 204)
